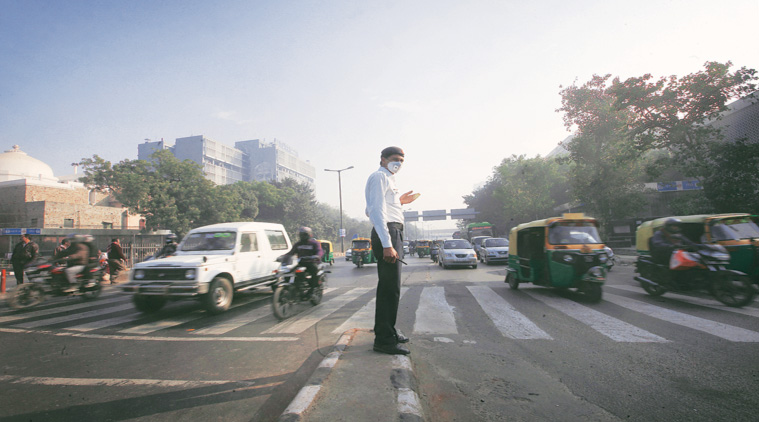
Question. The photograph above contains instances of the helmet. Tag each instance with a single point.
(88, 238)
(171, 238)
(76, 238)
(672, 225)
(305, 233)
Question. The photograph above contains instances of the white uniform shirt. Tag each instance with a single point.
(383, 203)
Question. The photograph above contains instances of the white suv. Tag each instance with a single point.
(210, 264)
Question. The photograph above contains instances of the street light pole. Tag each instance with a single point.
(340, 189)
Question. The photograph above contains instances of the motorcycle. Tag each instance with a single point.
(704, 267)
(47, 278)
(293, 285)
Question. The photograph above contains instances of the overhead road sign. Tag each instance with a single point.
(463, 214)
(434, 215)
(411, 216)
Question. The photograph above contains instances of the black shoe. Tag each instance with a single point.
(392, 349)
(400, 337)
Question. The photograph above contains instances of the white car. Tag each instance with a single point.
(348, 254)
(494, 249)
(405, 247)
(210, 264)
(457, 252)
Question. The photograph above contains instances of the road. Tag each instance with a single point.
(480, 351)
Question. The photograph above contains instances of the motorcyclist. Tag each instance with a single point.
(309, 253)
(169, 247)
(667, 240)
(76, 256)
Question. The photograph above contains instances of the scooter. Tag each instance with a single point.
(46, 278)
(293, 285)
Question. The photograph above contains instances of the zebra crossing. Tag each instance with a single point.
(353, 307)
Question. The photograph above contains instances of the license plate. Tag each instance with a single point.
(154, 289)
(588, 259)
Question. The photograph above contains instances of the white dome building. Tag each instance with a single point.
(16, 164)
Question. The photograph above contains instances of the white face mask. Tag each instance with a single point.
(394, 166)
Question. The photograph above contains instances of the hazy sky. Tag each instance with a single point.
(459, 85)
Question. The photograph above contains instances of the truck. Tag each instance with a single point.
(211, 264)
(479, 229)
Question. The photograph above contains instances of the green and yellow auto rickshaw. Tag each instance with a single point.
(328, 257)
(423, 248)
(561, 252)
(361, 250)
(730, 279)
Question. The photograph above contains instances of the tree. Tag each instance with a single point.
(171, 194)
(732, 182)
(608, 171)
(521, 189)
(672, 113)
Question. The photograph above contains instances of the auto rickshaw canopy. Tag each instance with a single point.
(647, 229)
(546, 222)
(361, 243)
(326, 246)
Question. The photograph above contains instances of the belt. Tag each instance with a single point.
(397, 226)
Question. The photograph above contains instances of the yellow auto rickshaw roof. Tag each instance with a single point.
(324, 241)
(646, 230)
(543, 223)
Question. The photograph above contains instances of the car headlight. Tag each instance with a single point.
(596, 272)
(568, 258)
(449, 255)
(139, 274)
(189, 274)
(602, 257)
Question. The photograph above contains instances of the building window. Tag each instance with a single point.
(68, 223)
(107, 225)
(33, 223)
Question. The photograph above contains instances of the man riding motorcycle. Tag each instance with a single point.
(667, 240)
(78, 256)
(169, 248)
(309, 252)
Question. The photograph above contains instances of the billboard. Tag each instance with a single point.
(434, 215)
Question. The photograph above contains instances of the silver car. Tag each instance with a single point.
(457, 252)
(494, 249)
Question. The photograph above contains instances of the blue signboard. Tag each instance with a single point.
(691, 185)
(666, 186)
(33, 231)
(14, 232)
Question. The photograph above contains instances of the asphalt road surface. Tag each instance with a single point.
(480, 351)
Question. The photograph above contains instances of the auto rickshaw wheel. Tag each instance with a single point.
(734, 290)
(513, 282)
(593, 292)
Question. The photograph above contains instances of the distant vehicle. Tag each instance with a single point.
(479, 229)
(348, 254)
(457, 252)
(494, 250)
(406, 247)
(456, 235)
(476, 242)
(210, 264)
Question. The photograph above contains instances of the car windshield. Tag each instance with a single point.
(360, 244)
(490, 243)
(209, 241)
(734, 229)
(457, 244)
(573, 233)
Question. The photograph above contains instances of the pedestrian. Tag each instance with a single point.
(65, 243)
(383, 207)
(24, 252)
(116, 259)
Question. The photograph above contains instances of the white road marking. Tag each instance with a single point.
(725, 331)
(434, 315)
(611, 327)
(364, 317)
(73, 317)
(33, 314)
(108, 322)
(164, 323)
(316, 314)
(237, 322)
(510, 322)
(442, 340)
(146, 338)
(303, 400)
(709, 303)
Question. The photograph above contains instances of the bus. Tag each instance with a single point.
(479, 229)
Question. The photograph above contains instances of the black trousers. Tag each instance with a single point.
(388, 289)
(18, 271)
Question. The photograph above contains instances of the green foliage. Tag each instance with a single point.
(608, 172)
(732, 182)
(521, 189)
